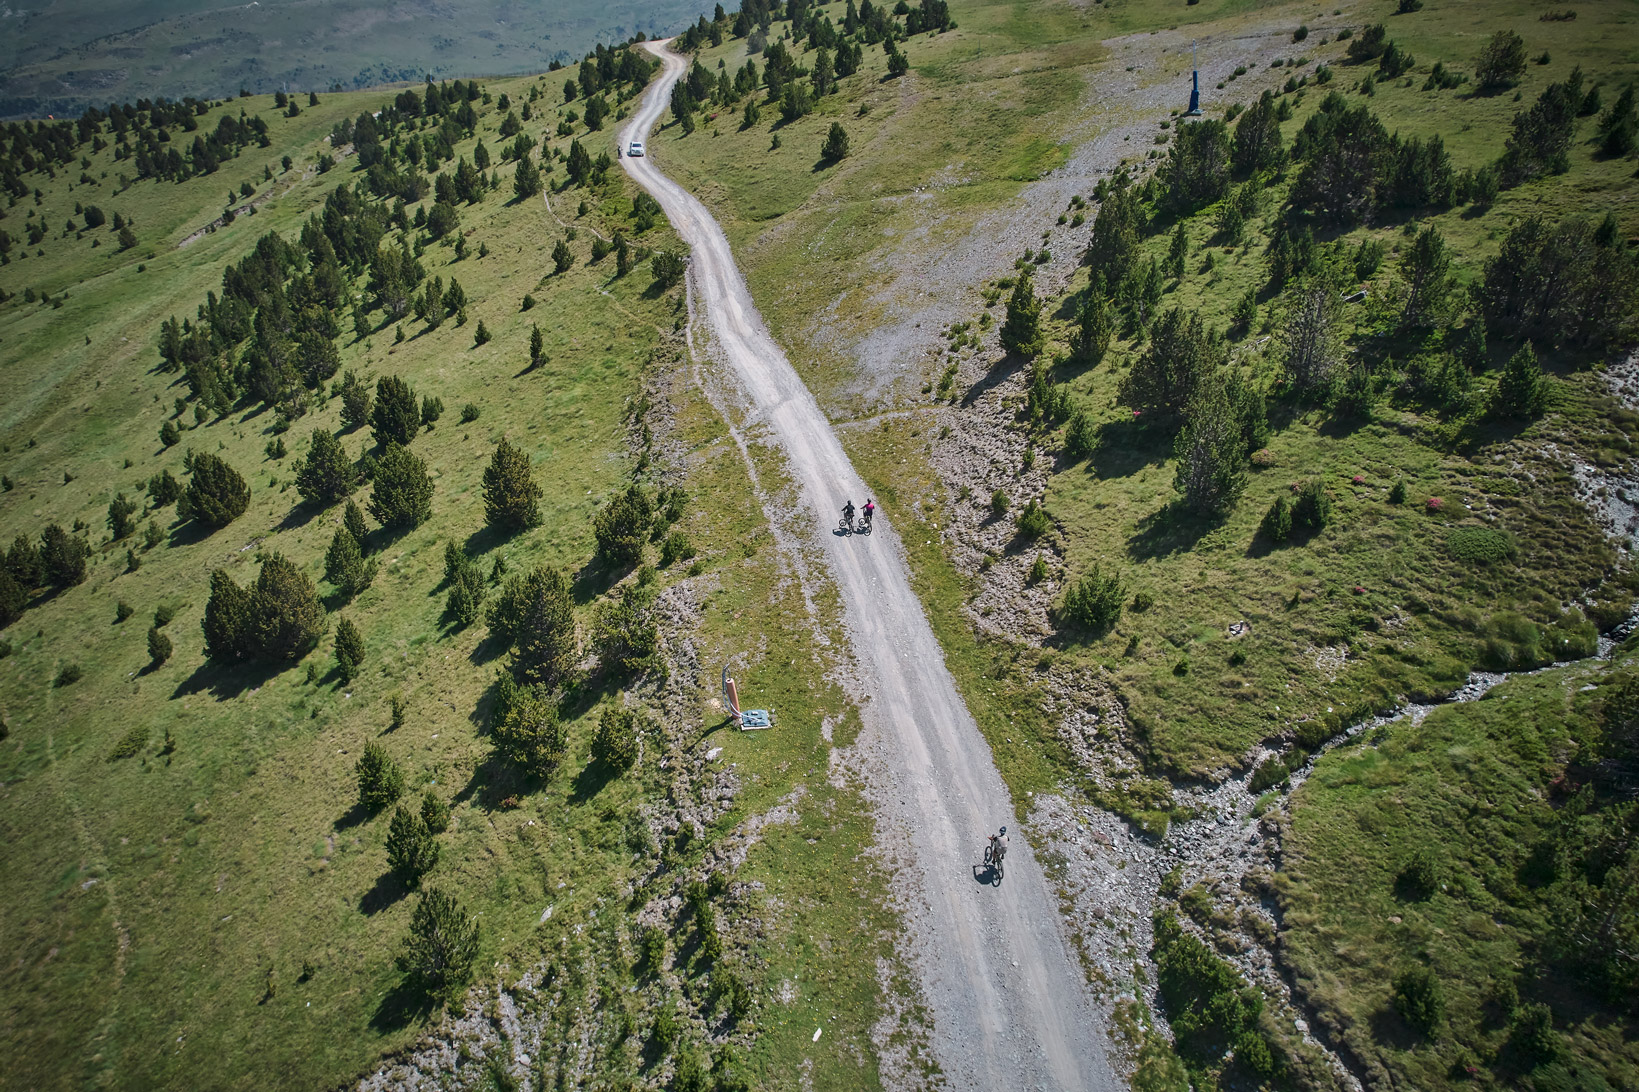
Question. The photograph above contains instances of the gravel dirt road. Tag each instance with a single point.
(1009, 1002)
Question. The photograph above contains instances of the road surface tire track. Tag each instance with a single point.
(1007, 996)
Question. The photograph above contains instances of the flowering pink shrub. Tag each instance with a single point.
(1434, 504)
(1359, 479)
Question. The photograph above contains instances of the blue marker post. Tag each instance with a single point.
(1194, 110)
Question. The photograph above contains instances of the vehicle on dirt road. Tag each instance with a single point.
(635, 149)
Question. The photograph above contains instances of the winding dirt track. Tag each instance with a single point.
(1009, 1002)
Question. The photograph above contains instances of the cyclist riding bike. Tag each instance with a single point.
(848, 514)
(870, 510)
(998, 847)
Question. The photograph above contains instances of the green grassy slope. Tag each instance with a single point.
(163, 908)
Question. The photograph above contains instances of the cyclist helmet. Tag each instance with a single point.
(1004, 830)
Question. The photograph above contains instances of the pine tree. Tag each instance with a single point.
(163, 489)
(626, 635)
(435, 812)
(615, 744)
(380, 780)
(1095, 325)
(1180, 352)
(441, 947)
(431, 410)
(121, 516)
(1310, 336)
(1426, 268)
(228, 622)
(355, 401)
(545, 644)
(836, 144)
(288, 618)
(511, 497)
(326, 475)
(1021, 331)
(345, 566)
(402, 497)
(397, 416)
(537, 346)
(530, 733)
(168, 434)
(1177, 252)
(562, 256)
(622, 527)
(1522, 388)
(1211, 452)
(353, 520)
(349, 649)
(63, 557)
(13, 598)
(412, 851)
(159, 646)
(216, 494)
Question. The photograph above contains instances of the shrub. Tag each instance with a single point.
(1419, 877)
(435, 812)
(130, 744)
(1531, 1033)
(1033, 521)
(159, 646)
(68, 675)
(442, 945)
(1142, 602)
(1021, 330)
(1522, 389)
(1271, 771)
(380, 780)
(676, 547)
(469, 413)
(1312, 508)
(163, 489)
(1417, 999)
(1479, 545)
(998, 504)
(1038, 570)
(652, 950)
(668, 267)
(412, 851)
(615, 744)
(1277, 522)
(1397, 491)
(216, 494)
(122, 611)
(1092, 604)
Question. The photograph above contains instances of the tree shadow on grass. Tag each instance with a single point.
(227, 682)
(401, 1006)
(299, 516)
(493, 780)
(1171, 529)
(353, 817)
(1390, 1030)
(190, 532)
(591, 780)
(593, 579)
(387, 890)
(483, 540)
(1127, 446)
(489, 649)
